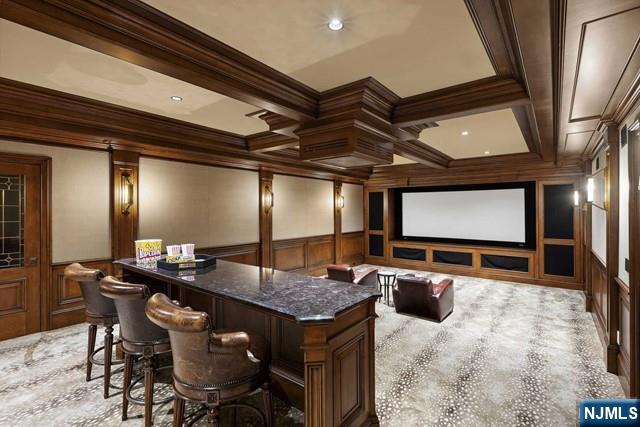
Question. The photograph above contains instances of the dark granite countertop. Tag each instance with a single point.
(303, 298)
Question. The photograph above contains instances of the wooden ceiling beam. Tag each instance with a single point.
(494, 22)
(421, 153)
(479, 96)
(137, 33)
(269, 141)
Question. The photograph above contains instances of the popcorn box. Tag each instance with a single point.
(148, 252)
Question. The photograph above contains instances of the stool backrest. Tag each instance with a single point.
(200, 355)
(89, 280)
(130, 300)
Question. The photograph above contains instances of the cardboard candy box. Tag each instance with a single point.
(148, 252)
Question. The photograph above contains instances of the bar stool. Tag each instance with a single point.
(100, 311)
(214, 368)
(140, 338)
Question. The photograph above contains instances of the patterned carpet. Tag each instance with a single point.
(509, 355)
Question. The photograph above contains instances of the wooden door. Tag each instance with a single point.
(20, 206)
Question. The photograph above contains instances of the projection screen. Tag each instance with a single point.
(476, 215)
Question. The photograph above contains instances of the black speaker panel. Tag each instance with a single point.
(558, 260)
(558, 211)
(504, 262)
(410, 253)
(376, 210)
(457, 258)
(376, 245)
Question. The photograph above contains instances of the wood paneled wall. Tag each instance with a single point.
(66, 306)
(310, 255)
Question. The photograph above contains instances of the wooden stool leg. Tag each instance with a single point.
(108, 348)
(213, 416)
(91, 345)
(148, 389)
(178, 412)
(268, 409)
(128, 374)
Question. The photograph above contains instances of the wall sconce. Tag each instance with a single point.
(590, 189)
(126, 192)
(340, 202)
(267, 199)
(576, 198)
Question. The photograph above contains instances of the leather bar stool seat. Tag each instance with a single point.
(141, 338)
(100, 311)
(211, 367)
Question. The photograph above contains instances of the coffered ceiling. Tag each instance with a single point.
(36, 58)
(407, 76)
(494, 133)
(410, 46)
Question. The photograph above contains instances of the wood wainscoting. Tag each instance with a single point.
(353, 248)
(310, 255)
(600, 298)
(66, 306)
(243, 254)
(624, 337)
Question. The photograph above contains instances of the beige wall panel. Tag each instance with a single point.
(187, 203)
(302, 207)
(80, 224)
(352, 213)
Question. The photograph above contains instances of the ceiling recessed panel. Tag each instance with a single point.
(605, 49)
(486, 134)
(411, 46)
(36, 58)
(576, 142)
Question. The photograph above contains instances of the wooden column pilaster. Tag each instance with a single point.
(266, 219)
(337, 221)
(613, 216)
(124, 230)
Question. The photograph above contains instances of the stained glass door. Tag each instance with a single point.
(20, 201)
(11, 221)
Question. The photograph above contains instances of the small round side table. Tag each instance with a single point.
(386, 280)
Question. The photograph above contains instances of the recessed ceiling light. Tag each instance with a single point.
(335, 24)
(176, 98)
(465, 133)
(486, 152)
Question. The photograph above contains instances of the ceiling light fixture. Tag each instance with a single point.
(465, 133)
(486, 152)
(335, 24)
(176, 98)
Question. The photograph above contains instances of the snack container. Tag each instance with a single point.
(188, 251)
(174, 253)
(148, 252)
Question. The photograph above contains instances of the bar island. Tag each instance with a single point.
(321, 332)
